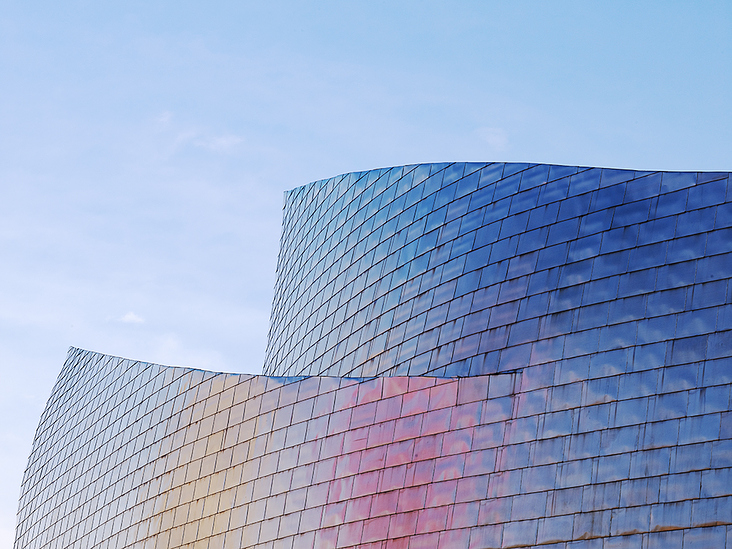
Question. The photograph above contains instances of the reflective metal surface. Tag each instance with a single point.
(587, 311)
(471, 269)
(140, 455)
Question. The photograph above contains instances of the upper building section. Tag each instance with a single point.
(467, 269)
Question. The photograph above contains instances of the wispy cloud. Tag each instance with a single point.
(220, 144)
(496, 138)
(132, 318)
(164, 118)
(183, 136)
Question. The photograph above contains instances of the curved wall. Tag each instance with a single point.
(137, 455)
(555, 366)
(468, 269)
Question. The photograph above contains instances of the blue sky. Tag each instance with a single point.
(145, 147)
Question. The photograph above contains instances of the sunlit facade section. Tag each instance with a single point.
(137, 455)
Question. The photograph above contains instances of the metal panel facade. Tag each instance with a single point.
(470, 269)
(538, 355)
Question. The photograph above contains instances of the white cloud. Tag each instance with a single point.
(132, 318)
(176, 136)
(220, 144)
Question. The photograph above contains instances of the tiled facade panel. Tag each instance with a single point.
(552, 349)
(564, 454)
(471, 269)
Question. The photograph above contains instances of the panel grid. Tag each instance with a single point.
(460, 355)
(547, 454)
(497, 245)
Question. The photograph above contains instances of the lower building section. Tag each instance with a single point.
(565, 454)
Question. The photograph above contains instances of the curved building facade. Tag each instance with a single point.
(468, 269)
(460, 355)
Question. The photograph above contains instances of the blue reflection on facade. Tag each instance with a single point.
(469, 269)
(522, 355)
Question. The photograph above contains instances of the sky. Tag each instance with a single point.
(145, 148)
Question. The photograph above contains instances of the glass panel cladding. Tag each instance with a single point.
(460, 355)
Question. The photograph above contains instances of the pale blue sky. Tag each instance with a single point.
(145, 146)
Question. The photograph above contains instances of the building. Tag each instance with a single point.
(460, 355)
